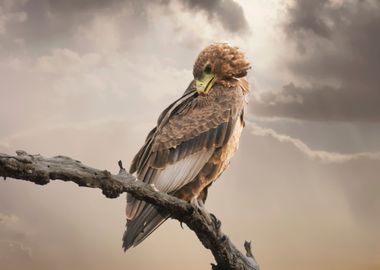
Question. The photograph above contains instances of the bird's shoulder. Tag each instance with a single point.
(200, 115)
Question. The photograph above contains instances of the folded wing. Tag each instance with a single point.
(186, 136)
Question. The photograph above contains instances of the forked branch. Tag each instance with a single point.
(40, 170)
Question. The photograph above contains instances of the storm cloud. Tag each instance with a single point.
(53, 20)
(334, 64)
(228, 12)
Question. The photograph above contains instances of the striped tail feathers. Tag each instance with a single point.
(142, 226)
(134, 207)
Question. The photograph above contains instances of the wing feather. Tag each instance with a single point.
(182, 172)
(172, 178)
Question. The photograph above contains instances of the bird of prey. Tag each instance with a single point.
(194, 138)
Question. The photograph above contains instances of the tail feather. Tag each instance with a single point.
(134, 207)
(142, 226)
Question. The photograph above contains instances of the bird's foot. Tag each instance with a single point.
(201, 207)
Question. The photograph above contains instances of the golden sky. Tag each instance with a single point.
(88, 79)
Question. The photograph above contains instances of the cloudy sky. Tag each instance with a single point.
(88, 79)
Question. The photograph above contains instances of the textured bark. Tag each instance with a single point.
(40, 170)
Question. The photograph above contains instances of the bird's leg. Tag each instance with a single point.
(205, 212)
(200, 205)
(194, 201)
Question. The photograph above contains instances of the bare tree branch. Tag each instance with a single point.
(40, 170)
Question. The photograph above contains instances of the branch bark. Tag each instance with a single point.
(40, 170)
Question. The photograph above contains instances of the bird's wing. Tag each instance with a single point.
(186, 135)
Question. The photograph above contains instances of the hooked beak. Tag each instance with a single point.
(204, 84)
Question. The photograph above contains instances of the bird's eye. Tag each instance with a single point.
(208, 69)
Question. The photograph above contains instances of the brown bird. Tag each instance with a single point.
(194, 139)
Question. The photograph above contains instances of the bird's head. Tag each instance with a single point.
(218, 63)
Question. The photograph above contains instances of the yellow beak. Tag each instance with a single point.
(204, 84)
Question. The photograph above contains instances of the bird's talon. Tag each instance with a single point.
(218, 224)
(215, 221)
(213, 217)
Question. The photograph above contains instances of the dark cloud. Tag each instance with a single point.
(51, 24)
(48, 23)
(319, 102)
(81, 5)
(335, 66)
(228, 12)
(306, 16)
